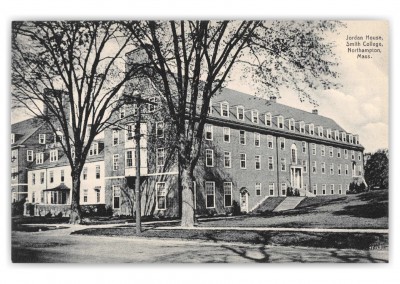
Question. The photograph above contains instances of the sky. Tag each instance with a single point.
(360, 106)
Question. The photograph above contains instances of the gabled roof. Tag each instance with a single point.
(25, 129)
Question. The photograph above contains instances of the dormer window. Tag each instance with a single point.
(58, 137)
(94, 149)
(280, 122)
(254, 116)
(329, 133)
(12, 138)
(343, 136)
(351, 139)
(320, 131)
(355, 139)
(42, 138)
(240, 113)
(268, 119)
(311, 129)
(53, 155)
(302, 127)
(336, 134)
(291, 124)
(225, 109)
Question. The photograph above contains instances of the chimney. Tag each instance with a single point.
(272, 99)
(315, 111)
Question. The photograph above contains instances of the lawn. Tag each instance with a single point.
(364, 210)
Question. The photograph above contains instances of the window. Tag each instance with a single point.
(293, 151)
(291, 124)
(257, 160)
(329, 133)
(227, 194)
(85, 196)
(313, 149)
(209, 158)
(53, 155)
(161, 157)
(257, 139)
(240, 113)
(84, 173)
(347, 187)
(115, 137)
(227, 159)
(322, 150)
(346, 154)
(270, 142)
(161, 196)
(323, 168)
(336, 135)
(332, 188)
(331, 151)
(258, 188)
(314, 167)
(115, 162)
(304, 163)
(283, 189)
(122, 112)
(58, 137)
(332, 169)
(14, 172)
(343, 136)
(359, 170)
(346, 170)
(353, 156)
(254, 116)
(210, 194)
(129, 159)
(271, 188)
(351, 139)
(39, 158)
(281, 125)
(29, 155)
(359, 156)
(33, 197)
(225, 109)
(97, 195)
(340, 189)
(97, 171)
(304, 147)
(339, 153)
(129, 132)
(14, 155)
(315, 189)
(227, 134)
(42, 178)
(62, 176)
(339, 169)
(33, 178)
(116, 197)
(42, 138)
(242, 137)
(320, 131)
(283, 164)
(324, 189)
(282, 143)
(271, 163)
(311, 129)
(242, 161)
(302, 127)
(94, 149)
(209, 132)
(268, 119)
(152, 106)
(12, 138)
(51, 174)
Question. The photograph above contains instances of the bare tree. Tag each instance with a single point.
(192, 61)
(70, 75)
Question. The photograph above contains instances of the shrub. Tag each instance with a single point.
(17, 208)
(356, 187)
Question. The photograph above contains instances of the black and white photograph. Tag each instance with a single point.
(198, 141)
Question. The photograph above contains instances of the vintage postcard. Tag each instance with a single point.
(199, 141)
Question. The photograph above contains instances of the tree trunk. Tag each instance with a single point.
(187, 200)
(76, 213)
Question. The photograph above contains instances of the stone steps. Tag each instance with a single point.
(288, 203)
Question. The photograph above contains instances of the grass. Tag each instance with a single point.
(321, 240)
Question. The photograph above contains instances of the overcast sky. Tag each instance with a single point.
(361, 105)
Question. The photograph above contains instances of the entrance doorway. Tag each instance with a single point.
(296, 177)
(244, 200)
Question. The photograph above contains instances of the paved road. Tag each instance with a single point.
(60, 246)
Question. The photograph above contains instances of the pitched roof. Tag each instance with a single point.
(25, 129)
